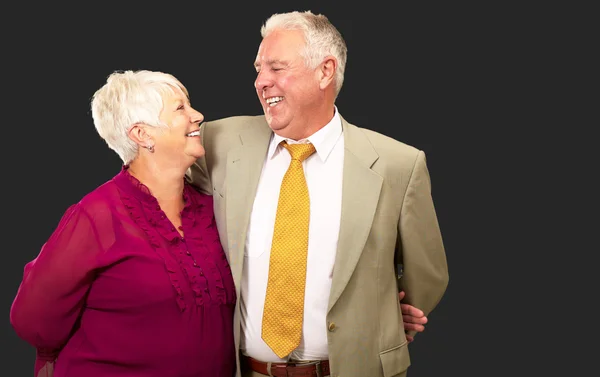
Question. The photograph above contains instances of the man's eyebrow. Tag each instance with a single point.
(270, 62)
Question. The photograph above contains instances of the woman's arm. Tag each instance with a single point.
(52, 293)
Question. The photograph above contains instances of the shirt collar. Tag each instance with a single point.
(324, 140)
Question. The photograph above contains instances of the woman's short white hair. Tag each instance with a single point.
(321, 37)
(128, 98)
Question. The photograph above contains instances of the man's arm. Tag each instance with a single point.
(425, 271)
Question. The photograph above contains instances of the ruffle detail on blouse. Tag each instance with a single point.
(201, 235)
(138, 215)
(204, 237)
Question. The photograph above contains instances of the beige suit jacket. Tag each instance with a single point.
(388, 218)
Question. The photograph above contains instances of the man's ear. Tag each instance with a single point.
(326, 71)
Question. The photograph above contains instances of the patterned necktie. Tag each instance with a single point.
(284, 302)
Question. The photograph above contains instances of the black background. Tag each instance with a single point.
(453, 79)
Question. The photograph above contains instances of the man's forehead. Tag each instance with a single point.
(278, 52)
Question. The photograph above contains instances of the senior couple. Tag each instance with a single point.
(286, 244)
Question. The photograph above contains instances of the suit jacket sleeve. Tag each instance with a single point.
(425, 270)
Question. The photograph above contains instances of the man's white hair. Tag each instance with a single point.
(321, 37)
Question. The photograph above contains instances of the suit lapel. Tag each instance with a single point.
(360, 194)
(244, 165)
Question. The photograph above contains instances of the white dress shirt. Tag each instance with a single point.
(323, 172)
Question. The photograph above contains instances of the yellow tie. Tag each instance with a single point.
(284, 302)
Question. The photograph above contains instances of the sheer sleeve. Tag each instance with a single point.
(51, 295)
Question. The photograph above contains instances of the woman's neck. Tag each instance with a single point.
(166, 185)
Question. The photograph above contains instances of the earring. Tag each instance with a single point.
(150, 148)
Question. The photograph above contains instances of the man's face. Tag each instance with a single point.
(288, 91)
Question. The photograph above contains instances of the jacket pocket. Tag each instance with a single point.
(395, 360)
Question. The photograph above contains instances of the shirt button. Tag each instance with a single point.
(331, 326)
(188, 252)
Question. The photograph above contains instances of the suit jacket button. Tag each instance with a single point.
(331, 326)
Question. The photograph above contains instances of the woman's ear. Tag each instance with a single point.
(138, 133)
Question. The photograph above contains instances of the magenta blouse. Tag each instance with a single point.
(116, 291)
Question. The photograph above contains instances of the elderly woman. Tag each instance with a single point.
(134, 281)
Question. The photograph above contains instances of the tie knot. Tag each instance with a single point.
(299, 152)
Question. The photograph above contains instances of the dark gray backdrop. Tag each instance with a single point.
(440, 76)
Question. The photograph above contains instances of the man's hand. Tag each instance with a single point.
(414, 319)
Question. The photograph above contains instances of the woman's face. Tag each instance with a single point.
(181, 140)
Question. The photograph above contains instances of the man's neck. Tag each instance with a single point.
(311, 125)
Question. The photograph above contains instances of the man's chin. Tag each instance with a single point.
(274, 123)
(277, 128)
